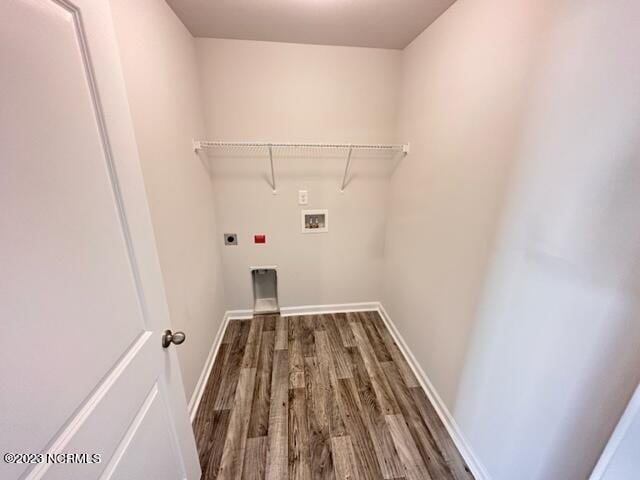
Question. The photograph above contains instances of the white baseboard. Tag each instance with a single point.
(239, 314)
(337, 308)
(449, 422)
(310, 310)
(474, 464)
(196, 397)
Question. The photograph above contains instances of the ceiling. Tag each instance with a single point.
(359, 23)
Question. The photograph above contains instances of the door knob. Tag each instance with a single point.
(176, 338)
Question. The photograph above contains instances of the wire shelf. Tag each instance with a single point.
(269, 147)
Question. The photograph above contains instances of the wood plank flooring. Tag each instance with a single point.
(319, 397)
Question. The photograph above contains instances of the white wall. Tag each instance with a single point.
(464, 87)
(555, 353)
(265, 91)
(159, 63)
(524, 122)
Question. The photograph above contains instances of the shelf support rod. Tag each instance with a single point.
(347, 168)
(273, 175)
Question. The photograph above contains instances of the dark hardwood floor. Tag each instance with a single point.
(315, 397)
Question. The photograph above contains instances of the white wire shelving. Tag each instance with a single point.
(269, 147)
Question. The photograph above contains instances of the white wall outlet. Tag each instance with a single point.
(303, 197)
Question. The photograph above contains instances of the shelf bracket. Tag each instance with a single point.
(347, 169)
(273, 175)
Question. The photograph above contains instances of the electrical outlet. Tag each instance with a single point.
(303, 197)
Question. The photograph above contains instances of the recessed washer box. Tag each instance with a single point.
(315, 221)
(265, 289)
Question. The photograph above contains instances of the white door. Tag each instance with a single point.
(620, 459)
(82, 306)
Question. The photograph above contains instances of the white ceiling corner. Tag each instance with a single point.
(360, 23)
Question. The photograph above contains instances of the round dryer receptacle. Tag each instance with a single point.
(230, 239)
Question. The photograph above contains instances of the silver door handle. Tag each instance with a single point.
(176, 338)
